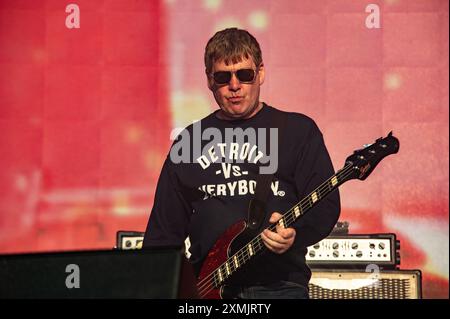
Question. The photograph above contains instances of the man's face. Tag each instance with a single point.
(237, 100)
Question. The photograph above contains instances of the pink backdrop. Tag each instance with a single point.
(86, 114)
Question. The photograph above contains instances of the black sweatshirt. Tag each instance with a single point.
(201, 196)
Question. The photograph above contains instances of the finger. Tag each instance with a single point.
(274, 236)
(287, 233)
(280, 227)
(275, 245)
(273, 241)
(279, 220)
(275, 217)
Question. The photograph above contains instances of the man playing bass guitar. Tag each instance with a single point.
(209, 178)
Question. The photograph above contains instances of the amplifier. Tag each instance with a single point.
(160, 272)
(356, 251)
(127, 240)
(354, 284)
(130, 240)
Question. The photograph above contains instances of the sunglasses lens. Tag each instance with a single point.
(222, 77)
(245, 75)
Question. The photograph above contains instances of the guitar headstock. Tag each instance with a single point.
(364, 161)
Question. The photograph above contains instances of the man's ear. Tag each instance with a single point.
(261, 73)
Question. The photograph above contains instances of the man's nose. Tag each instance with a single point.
(234, 84)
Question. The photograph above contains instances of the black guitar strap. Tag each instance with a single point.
(257, 205)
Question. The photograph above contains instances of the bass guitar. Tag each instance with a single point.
(230, 253)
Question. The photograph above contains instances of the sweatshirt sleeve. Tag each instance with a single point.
(169, 218)
(314, 166)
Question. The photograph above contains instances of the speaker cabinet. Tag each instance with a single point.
(155, 273)
(354, 284)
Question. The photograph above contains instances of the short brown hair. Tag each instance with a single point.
(231, 45)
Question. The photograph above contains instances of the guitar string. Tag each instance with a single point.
(205, 283)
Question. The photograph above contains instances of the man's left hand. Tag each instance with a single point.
(282, 239)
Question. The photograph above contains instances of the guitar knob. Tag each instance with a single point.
(381, 246)
(336, 253)
(312, 253)
(355, 246)
(359, 254)
(335, 246)
(316, 246)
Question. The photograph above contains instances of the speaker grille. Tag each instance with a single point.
(349, 284)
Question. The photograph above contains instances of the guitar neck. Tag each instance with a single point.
(311, 200)
(255, 246)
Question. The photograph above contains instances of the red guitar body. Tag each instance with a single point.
(225, 246)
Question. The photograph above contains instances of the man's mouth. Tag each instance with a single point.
(235, 99)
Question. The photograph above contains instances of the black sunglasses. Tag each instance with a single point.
(243, 75)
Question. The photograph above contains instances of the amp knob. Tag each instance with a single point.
(359, 254)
